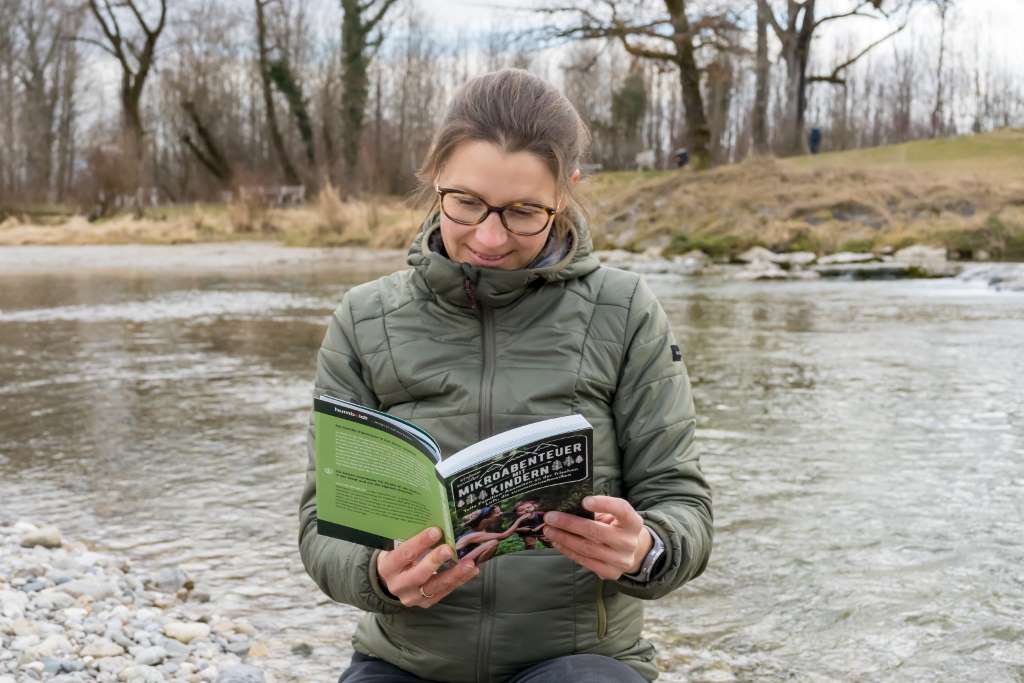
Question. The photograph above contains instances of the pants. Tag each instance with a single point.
(568, 669)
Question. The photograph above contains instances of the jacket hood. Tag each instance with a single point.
(465, 285)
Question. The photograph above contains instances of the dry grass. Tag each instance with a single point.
(858, 201)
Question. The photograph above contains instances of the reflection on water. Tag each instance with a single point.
(864, 441)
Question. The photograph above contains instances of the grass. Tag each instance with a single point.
(966, 194)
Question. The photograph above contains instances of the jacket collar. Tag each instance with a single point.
(468, 286)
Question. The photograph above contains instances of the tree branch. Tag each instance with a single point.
(834, 76)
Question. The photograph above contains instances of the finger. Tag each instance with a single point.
(620, 508)
(585, 547)
(441, 585)
(410, 579)
(603, 570)
(409, 552)
(588, 528)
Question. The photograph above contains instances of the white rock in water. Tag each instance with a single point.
(102, 648)
(141, 674)
(47, 536)
(757, 255)
(796, 258)
(847, 257)
(186, 632)
(94, 588)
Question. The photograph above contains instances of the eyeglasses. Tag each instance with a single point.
(520, 218)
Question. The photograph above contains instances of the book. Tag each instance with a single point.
(380, 480)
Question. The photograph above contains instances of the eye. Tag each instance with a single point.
(467, 201)
(524, 211)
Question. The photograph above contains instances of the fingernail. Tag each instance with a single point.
(434, 534)
(444, 553)
(587, 502)
(551, 518)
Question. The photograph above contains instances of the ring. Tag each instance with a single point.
(425, 594)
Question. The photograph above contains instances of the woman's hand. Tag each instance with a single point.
(614, 543)
(410, 571)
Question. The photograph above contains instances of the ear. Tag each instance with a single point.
(575, 177)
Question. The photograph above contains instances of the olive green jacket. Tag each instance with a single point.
(468, 352)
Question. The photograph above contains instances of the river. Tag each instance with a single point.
(865, 442)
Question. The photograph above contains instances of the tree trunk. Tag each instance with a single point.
(291, 177)
(355, 87)
(762, 74)
(697, 130)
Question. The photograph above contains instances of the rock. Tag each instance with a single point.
(102, 648)
(238, 647)
(114, 664)
(51, 666)
(13, 604)
(55, 598)
(241, 673)
(931, 261)
(151, 656)
(141, 674)
(847, 257)
(302, 649)
(762, 270)
(54, 645)
(796, 258)
(96, 589)
(259, 649)
(186, 632)
(757, 255)
(47, 537)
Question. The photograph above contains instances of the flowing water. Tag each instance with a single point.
(865, 442)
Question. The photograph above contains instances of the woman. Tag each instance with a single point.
(504, 318)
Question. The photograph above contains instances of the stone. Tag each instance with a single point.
(762, 270)
(151, 656)
(54, 645)
(103, 648)
(96, 589)
(241, 673)
(141, 674)
(185, 632)
(864, 271)
(931, 261)
(757, 255)
(13, 604)
(259, 649)
(302, 649)
(114, 664)
(47, 537)
(51, 666)
(796, 258)
(55, 598)
(847, 257)
(239, 647)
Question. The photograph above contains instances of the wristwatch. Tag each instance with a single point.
(651, 559)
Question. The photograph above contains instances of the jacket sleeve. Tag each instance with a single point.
(655, 423)
(346, 572)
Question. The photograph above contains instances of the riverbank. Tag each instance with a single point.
(69, 614)
(961, 194)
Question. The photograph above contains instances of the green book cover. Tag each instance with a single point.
(381, 480)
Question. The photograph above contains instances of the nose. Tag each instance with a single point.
(491, 233)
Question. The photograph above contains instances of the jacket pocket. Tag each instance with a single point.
(602, 612)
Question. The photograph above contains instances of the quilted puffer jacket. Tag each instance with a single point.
(468, 352)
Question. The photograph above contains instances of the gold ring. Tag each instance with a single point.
(425, 594)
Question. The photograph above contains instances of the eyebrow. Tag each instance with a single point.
(463, 188)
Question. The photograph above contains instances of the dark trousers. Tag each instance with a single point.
(568, 669)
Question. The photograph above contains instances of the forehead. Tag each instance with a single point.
(498, 176)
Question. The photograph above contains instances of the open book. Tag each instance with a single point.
(381, 480)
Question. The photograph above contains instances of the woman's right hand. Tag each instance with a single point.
(410, 571)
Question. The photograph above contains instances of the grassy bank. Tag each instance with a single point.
(966, 194)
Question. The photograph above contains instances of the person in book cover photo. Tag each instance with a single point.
(482, 532)
(505, 317)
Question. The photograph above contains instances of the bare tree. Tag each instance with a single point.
(668, 36)
(795, 30)
(135, 53)
(266, 78)
(943, 8)
(361, 35)
(762, 73)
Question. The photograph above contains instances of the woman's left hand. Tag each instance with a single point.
(614, 543)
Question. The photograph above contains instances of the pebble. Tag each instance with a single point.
(69, 614)
(47, 536)
(186, 632)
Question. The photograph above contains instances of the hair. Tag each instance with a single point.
(518, 112)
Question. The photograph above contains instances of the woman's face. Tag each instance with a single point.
(499, 178)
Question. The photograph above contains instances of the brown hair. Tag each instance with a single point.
(516, 111)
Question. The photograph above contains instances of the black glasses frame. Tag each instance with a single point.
(500, 210)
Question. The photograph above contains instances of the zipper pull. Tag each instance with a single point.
(467, 287)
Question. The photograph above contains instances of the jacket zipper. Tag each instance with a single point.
(602, 612)
(486, 428)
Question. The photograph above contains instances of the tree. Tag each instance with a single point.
(762, 74)
(267, 80)
(135, 54)
(668, 36)
(795, 31)
(360, 38)
(943, 8)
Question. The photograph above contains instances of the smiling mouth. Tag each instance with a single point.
(487, 257)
